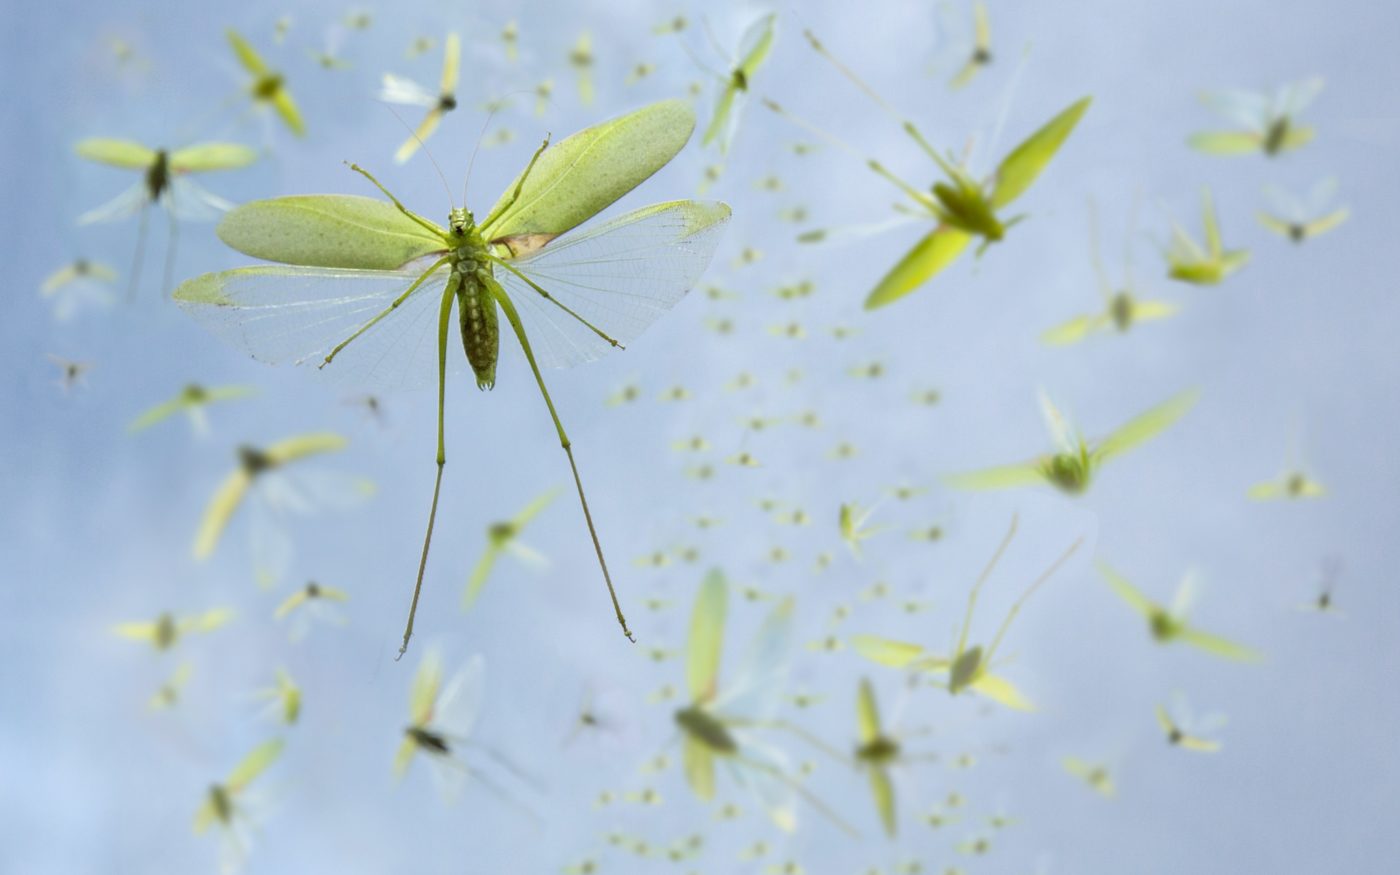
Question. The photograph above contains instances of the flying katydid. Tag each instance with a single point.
(967, 668)
(1122, 308)
(1297, 219)
(582, 60)
(192, 401)
(269, 87)
(1206, 265)
(79, 284)
(397, 89)
(1267, 123)
(503, 536)
(1170, 624)
(363, 282)
(754, 49)
(163, 182)
(962, 206)
(1071, 466)
(877, 752)
(980, 53)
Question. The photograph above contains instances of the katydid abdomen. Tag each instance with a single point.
(481, 336)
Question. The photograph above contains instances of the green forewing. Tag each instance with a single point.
(328, 231)
(706, 637)
(1019, 169)
(203, 157)
(930, 255)
(118, 153)
(1147, 425)
(583, 174)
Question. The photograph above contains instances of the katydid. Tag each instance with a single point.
(1202, 265)
(1171, 623)
(192, 401)
(1122, 309)
(967, 668)
(77, 285)
(398, 89)
(1075, 460)
(963, 207)
(1298, 219)
(268, 88)
(754, 48)
(364, 284)
(163, 183)
(1266, 123)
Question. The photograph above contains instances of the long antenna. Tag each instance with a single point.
(982, 578)
(424, 146)
(477, 148)
(1016, 608)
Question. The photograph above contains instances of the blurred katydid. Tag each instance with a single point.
(168, 694)
(166, 630)
(981, 50)
(269, 87)
(314, 601)
(582, 60)
(225, 804)
(503, 536)
(877, 751)
(1122, 309)
(397, 89)
(1206, 265)
(510, 40)
(283, 698)
(1266, 123)
(967, 668)
(1294, 482)
(366, 288)
(1096, 775)
(77, 285)
(851, 519)
(1070, 468)
(1185, 731)
(191, 400)
(163, 183)
(962, 206)
(754, 48)
(1299, 219)
(1170, 623)
(714, 725)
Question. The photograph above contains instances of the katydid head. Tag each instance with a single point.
(1069, 472)
(1296, 484)
(221, 802)
(166, 631)
(194, 393)
(1164, 625)
(253, 460)
(461, 223)
(1120, 308)
(500, 533)
(267, 87)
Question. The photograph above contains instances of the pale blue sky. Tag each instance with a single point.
(99, 524)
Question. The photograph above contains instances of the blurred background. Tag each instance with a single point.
(1295, 351)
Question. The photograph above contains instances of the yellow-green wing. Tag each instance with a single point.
(1225, 142)
(1019, 169)
(867, 713)
(938, 249)
(757, 44)
(1146, 426)
(1001, 691)
(883, 790)
(584, 173)
(982, 26)
(291, 603)
(1127, 592)
(451, 63)
(247, 55)
(479, 575)
(1201, 745)
(720, 120)
(286, 107)
(1211, 223)
(254, 764)
(219, 511)
(533, 509)
(204, 817)
(1326, 223)
(965, 74)
(156, 414)
(118, 153)
(706, 637)
(1265, 491)
(207, 621)
(343, 231)
(299, 447)
(422, 698)
(886, 651)
(404, 755)
(1151, 310)
(1072, 331)
(1164, 720)
(136, 631)
(1000, 477)
(1297, 137)
(699, 764)
(1219, 646)
(1275, 224)
(205, 157)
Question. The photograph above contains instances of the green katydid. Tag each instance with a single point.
(851, 519)
(1169, 624)
(225, 804)
(876, 752)
(1096, 775)
(504, 536)
(1298, 219)
(167, 695)
(582, 60)
(510, 40)
(364, 283)
(1183, 730)
(967, 668)
(77, 285)
(314, 601)
(1074, 461)
(398, 89)
(164, 183)
(269, 88)
(166, 630)
(980, 54)
(283, 698)
(1294, 482)
(1122, 309)
(1206, 265)
(962, 206)
(754, 48)
(191, 400)
(714, 725)
(1268, 123)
